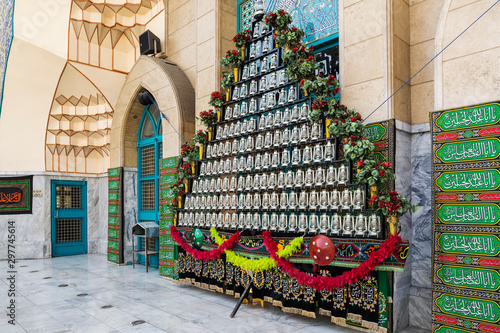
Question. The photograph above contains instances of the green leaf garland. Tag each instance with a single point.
(261, 264)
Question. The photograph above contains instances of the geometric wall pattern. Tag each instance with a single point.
(318, 18)
(78, 128)
(105, 33)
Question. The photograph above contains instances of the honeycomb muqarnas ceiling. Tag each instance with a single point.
(78, 127)
(104, 33)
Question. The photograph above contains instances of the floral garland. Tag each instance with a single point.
(204, 255)
(329, 283)
(261, 264)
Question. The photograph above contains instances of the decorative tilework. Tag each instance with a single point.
(6, 31)
(246, 14)
(319, 19)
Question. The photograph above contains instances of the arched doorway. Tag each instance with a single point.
(149, 154)
(174, 96)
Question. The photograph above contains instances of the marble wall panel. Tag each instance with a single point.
(421, 248)
(33, 231)
(402, 280)
(130, 213)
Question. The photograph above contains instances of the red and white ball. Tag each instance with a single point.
(322, 250)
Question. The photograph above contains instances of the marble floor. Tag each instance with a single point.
(88, 294)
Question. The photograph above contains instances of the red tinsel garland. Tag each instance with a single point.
(329, 283)
(205, 255)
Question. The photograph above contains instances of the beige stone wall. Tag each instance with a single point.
(469, 70)
(424, 20)
(375, 57)
(194, 40)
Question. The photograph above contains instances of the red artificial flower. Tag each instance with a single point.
(295, 50)
(381, 172)
(393, 193)
(363, 138)
(361, 164)
(394, 198)
(358, 116)
(179, 181)
(381, 204)
(353, 119)
(336, 91)
(301, 82)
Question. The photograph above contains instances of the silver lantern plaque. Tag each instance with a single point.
(358, 199)
(346, 200)
(307, 157)
(299, 178)
(315, 131)
(257, 223)
(282, 223)
(347, 225)
(303, 200)
(313, 200)
(323, 200)
(253, 69)
(302, 223)
(304, 111)
(285, 137)
(245, 74)
(324, 224)
(296, 156)
(274, 61)
(318, 153)
(265, 221)
(243, 90)
(342, 175)
(336, 225)
(292, 94)
(275, 160)
(295, 113)
(329, 151)
(229, 113)
(283, 200)
(313, 224)
(374, 226)
(282, 97)
(335, 199)
(253, 106)
(287, 116)
(263, 82)
(292, 201)
(272, 81)
(309, 178)
(289, 179)
(281, 180)
(274, 222)
(292, 222)
(360, 226)
(263, 104)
